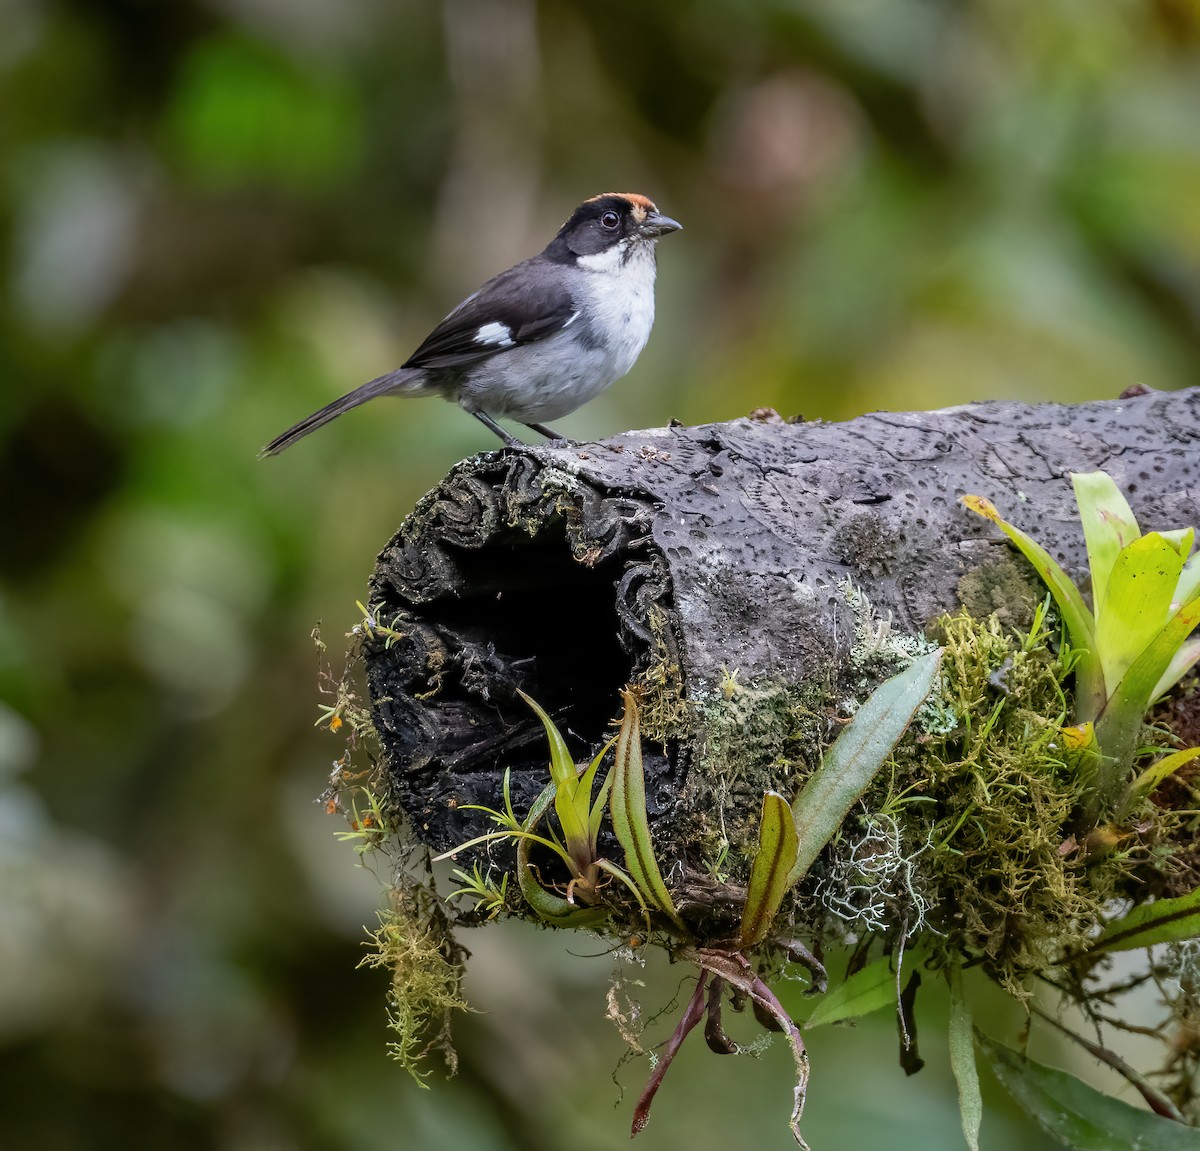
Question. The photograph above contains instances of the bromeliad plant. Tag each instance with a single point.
(1128, 649)
(1132, 645)
(791, 836)
(582, 902)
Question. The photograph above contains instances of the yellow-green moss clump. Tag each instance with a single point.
(763, 735)
(414, 943)
(987, 806)
(664, 711)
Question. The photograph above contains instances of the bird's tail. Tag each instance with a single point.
(400, 382)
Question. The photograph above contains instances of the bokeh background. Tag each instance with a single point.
(217, 215)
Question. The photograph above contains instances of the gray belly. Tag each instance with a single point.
(546, 380)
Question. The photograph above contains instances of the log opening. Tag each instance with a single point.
(509, 576)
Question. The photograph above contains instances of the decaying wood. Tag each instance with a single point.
(691, 552)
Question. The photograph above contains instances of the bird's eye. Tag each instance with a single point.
(610, 220)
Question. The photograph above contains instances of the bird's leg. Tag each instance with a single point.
(549, 433)
(487, 421)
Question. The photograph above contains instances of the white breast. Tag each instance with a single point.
(620, 283)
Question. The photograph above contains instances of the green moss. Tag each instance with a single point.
(1002, 587)
(770, 734)
(363, 794)
(879, 652)
(994, 800)
(413, 943)
(764, 735)
(664, 710)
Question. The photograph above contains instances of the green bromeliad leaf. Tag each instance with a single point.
(1150, 779)
(1108, 525)
(855, 758)
(1089, 675)
(628, 810)
(1136, 604)
(1135, 645)
(1163, 921)
(1189, 580)
(869, 989)
(1082, 1117)
(554, 909)
(777, 846)
(572, 803)
(1119, 726)
(1185, 658)
(597, 813)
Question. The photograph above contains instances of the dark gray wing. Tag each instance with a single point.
(528, 302)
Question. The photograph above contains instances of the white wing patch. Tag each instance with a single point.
(495, 335)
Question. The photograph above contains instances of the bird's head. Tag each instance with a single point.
(618, 222)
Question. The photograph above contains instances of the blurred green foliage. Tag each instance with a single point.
(215, 217)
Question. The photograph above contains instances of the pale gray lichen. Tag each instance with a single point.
(874, 880)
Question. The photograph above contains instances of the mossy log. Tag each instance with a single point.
(717, 565)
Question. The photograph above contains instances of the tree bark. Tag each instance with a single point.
(704, 559)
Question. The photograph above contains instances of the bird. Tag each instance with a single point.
(542, 338)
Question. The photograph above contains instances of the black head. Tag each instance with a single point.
(607, 220)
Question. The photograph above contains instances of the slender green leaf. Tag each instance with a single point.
(612, 869)
(1163, 921)
(856, 756)
(1189, 581)
(1089, 677)
(552, 908)
(571, 805)
(1184, 659)
(628, 809)
(777, 846)
(1108, 522)
(1137, 604)
(510, 826)
(962, 1060)
(1148, 781)
(539, 806)
(548, 906)
(1108, 526)
(491, 836)
(1082, 1117)
(1118, 727)
(588, 778)
(597, 815)
(869, 989)
(1159, 1103)
(583, 792)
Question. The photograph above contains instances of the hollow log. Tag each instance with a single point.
(707, 562)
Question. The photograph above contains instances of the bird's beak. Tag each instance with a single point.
(656, 224)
